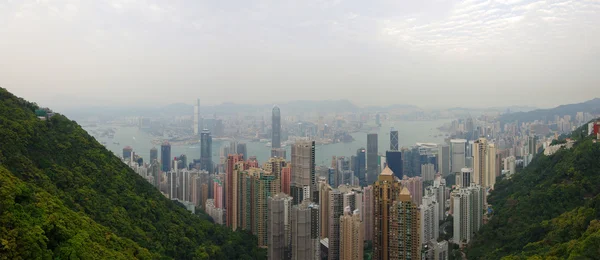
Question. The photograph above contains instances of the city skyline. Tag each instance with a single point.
(150, 52)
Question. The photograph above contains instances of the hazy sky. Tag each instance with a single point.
(475, 53)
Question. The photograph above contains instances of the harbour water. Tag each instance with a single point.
(409, 133)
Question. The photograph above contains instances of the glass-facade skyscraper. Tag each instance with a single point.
(276, 128)
(165, 156)
(206, 151)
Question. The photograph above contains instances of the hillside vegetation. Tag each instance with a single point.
(63, 195)
(550, 210)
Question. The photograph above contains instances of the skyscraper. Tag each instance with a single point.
(276, 128)
(303, 171)
(444, 159)
(404, 241)
(372, 158)
(386, 190)
(393, 140)
(241, 149)
(468, 212)
(367, 212)
(231, 190)
(324, 190)
(156, 176)
(430, 218)
(360, 165)
(127, 153)
(458, 154)
(351, 236)
(394, 161)
(197, 121)
(165, 156)
(484, 163)
(153, 154)
(277, 226)
(206, 151)
(305, 231)
(336, 210)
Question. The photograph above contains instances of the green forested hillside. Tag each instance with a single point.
(550, 210)
(63, 195)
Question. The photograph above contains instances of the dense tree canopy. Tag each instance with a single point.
(63, 195)
(549, 210)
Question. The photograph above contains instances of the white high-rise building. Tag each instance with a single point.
(458, 154)
(430, 219)
(468, 212)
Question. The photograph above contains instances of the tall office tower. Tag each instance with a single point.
(127, 151)
(444, 159)
(372, 158)
(206, 151)
(394, 161)
(231, 190)
(367, 212)
(458, 154)
(276, 219)
(305, 231)
(468, 208)
(336, 210)
(324, 190)
(197, 121)
(156, 176)
(241, 149)
(303, 171)
(165, 156)
(276, 128)
(532, 144)
(385, 192)
(404, 241)
(415, 187)
(279, 152)
(153, 154)
(352, 236)
(360, 165)
(393, 140)
(430, 218)
(286, 179)
(427, 172)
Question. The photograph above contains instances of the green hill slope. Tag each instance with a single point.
(550, 210)
(65, 173)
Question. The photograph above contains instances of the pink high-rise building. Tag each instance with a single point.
(218, 193)
(415, 187)
(286, 179)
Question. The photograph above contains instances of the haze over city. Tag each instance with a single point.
(67, 54)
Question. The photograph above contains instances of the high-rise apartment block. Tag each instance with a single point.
(303, 171)
(468, 205)
(484, 163)
(404, 241)
(305, 231)
(351, 236)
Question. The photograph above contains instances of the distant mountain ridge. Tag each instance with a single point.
(590, 106)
